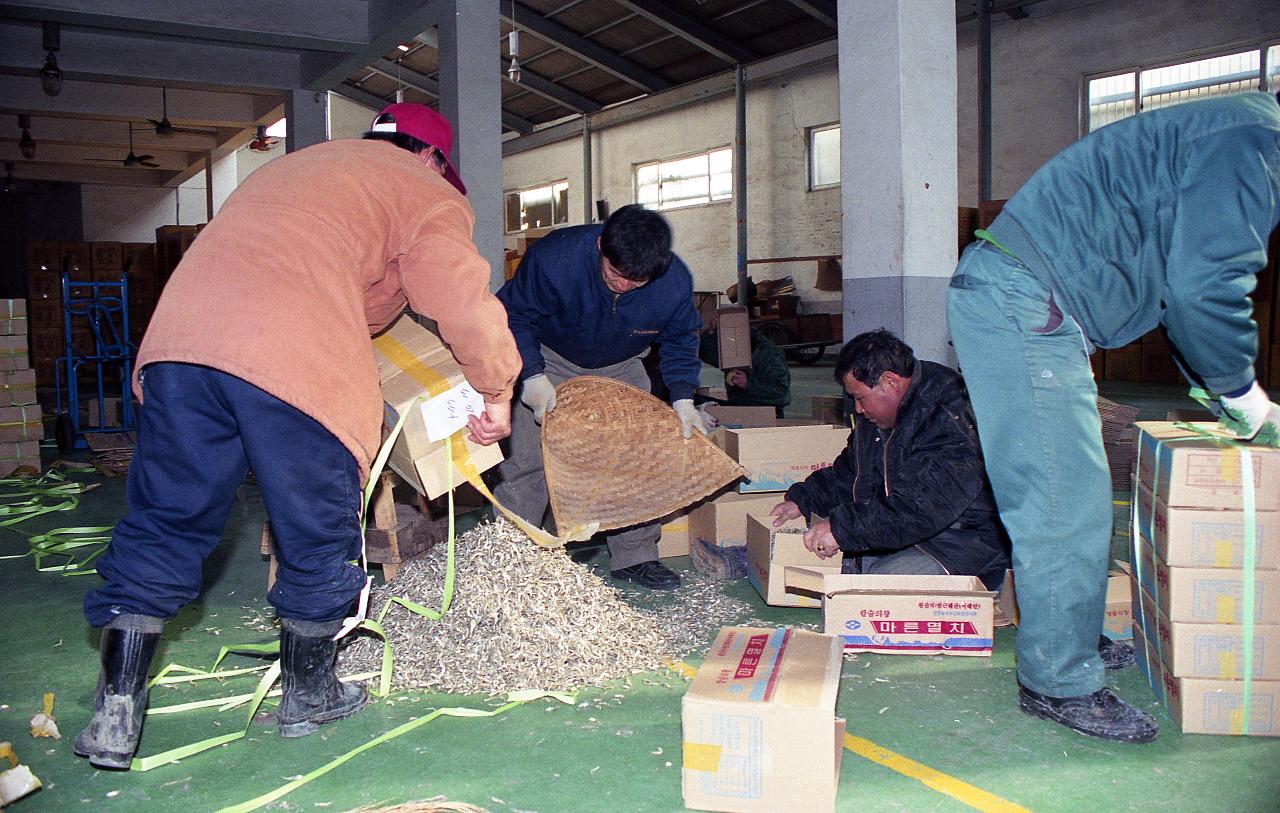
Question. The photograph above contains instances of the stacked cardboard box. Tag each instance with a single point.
(20, 423)
(1119, 440)
(779, 457)
(1206, 579)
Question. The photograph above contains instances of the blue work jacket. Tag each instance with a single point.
(1160, 219)
(558, 299)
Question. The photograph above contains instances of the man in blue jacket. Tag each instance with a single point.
(591, 300)
(1158, 219)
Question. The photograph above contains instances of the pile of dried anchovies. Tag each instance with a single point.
(525, 617)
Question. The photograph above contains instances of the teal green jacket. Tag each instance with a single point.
(1161, 218)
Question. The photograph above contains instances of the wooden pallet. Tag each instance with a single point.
(396, 532)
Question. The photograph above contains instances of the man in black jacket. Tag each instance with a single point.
(909, 494)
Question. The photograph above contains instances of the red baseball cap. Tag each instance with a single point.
(424, 124)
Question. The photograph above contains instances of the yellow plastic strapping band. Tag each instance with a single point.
(435, 384)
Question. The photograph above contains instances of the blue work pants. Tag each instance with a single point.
(200, 432)
(1026, 366)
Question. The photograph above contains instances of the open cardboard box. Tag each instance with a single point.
(779, 457)
(902, 615)
(723, 521)
(758, 723)
(413, 363)
(770, 550)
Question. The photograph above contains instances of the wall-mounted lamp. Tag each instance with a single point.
(51, 74)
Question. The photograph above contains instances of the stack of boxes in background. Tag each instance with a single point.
(20, 427)
(147, 267)
(1119, 440)
(1206, 579)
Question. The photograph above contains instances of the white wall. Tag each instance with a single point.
(131, 214)
(783, 218)
(1037, 66)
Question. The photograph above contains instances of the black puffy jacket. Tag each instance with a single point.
(920, 483)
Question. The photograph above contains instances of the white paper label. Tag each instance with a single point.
(447, 413)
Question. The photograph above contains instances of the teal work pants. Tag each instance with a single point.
(1026, 366)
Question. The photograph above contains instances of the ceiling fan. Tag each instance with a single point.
(164, 127)
(131, 160)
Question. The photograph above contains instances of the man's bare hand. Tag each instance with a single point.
(492, 425)
(737, 378)
(784, 511)
(820, 540)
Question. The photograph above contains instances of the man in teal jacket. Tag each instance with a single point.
(1158, 219)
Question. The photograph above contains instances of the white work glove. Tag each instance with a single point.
(1253, 415)
(690, 418)
(539, 394)
(708, 420)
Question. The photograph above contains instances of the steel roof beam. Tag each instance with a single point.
(822, 10)
(571, 42)
(686, 27)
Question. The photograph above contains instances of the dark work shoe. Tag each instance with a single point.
(1101, 715)
(1116, 654)
(112, 735)
(653, 575)
(311, 691)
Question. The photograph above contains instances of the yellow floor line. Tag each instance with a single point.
(977, 798)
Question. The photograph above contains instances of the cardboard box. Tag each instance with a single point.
(13, 455)
(111, 409)
(19, 423)
(1207, 650)
(413, 364)
(17, 387)
(902, 615)
(717, 393)
(780, 457)
(771, 550)
(108, 257)
(1204, 706)
(723, 521)
(744, 417)
(828, 409)
(77, 261)
(733, 338)
(13, 317)
(13, 353)
(758, 725)
(1203, 595)
(1117, 619)
(1202, 472)
(1205, 537)
(675, 536)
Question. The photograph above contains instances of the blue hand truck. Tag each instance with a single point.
(104, 307)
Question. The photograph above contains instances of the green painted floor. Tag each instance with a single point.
(618, 749)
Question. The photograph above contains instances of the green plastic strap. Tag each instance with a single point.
(513, 700)
(1249, 588)
(983, 234)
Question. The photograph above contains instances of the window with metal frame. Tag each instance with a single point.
(824, 156)
(534, 208)
(690, 180)
(1117, 95)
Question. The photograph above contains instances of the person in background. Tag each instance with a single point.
(258, 356)
(1158, 219)
(767, 382)
(591, 300)
(908, 495)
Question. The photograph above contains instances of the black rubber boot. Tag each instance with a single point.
(312, 692)
(1116, 654)
(653, 575)
(111, 738)
(1100, 714)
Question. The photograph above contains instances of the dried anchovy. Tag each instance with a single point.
(525, 617)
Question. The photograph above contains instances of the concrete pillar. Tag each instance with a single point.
(898, 168)
(307, 112)
(471, 98)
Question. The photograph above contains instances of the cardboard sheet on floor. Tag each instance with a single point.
(758, 723)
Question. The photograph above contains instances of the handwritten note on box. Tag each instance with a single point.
(447, 413)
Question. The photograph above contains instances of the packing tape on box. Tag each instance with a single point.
(435, 384)
(701, 756)
(1226, 607)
